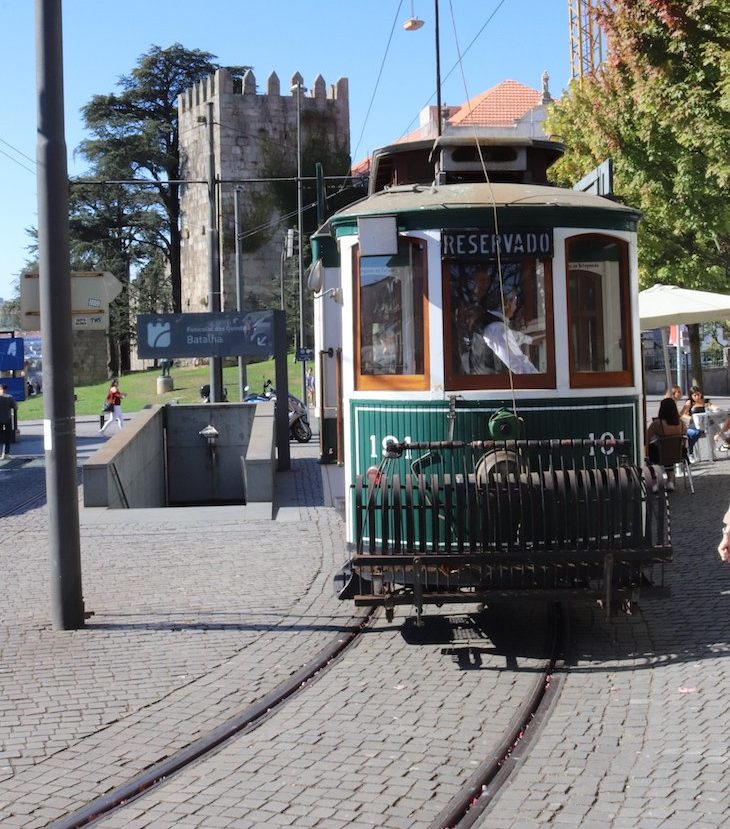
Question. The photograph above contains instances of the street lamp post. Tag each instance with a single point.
(413, 24)
(299, 88)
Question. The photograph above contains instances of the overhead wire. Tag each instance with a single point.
(377, 80)
(492, 199)
(15, 160)
(457, 64)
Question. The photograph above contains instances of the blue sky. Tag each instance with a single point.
(335, 38)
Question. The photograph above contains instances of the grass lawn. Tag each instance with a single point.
(141, 388)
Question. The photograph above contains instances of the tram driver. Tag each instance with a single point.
(504, 342)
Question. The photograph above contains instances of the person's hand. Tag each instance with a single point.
(723, 548)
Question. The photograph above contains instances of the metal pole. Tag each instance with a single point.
(300, 233)
(242, 379)
(281, 276)
(438, 68)
(214, 274)
(59, 426)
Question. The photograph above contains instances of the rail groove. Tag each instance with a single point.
(249, 718)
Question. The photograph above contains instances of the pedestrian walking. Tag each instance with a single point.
(113, 405)
(7, 407)
(310, 387)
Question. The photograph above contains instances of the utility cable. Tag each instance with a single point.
(493, 200)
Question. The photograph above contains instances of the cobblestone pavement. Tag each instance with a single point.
(196, 616)
(384, 739)
(640, 735)
(192, 622)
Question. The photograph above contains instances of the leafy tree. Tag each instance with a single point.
(137, 130)
(660, 108)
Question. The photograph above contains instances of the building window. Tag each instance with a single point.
(391, 311)
(498, 321)
(599, 326)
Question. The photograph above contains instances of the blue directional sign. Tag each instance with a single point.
(12, 353)
(224, 334)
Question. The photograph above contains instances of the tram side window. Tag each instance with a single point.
(498, 320)
(391, 335)
(599, 335)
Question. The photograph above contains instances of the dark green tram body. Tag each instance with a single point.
(454, 302)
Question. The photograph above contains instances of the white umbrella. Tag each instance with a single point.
(663, 305)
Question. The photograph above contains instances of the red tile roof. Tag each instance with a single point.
(501, 105)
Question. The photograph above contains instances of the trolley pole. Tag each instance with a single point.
(59, 425)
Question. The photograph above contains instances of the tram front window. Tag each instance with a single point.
(497, 321)
(598, 320)
(391, 296)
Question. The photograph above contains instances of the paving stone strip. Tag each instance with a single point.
(189, 626)
(640, 737)
(383, 739)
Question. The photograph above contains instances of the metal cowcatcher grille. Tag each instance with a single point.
(469, 521)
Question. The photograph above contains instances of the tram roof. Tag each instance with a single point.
(425, 200)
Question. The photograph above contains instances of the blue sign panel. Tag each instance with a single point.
(16, 387)
(224, 334)
(304, 355)
(11, 353)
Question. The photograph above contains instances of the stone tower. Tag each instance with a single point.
(254, 137)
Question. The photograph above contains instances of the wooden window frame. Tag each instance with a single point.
(603, 379)
(392, 382)
(501, 382)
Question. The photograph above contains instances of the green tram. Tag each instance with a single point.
(479, 370)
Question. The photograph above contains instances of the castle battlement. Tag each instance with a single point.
(223, 83)
(254, 135)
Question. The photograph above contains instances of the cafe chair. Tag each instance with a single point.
(671, 451)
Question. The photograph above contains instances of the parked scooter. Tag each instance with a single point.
(299, 427)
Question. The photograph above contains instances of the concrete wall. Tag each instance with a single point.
(200, 472)
(160, 459)
(129, 470)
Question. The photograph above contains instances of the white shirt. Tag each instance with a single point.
(506, 344)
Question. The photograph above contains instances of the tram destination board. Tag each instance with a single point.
(224, 334)
(512, 242)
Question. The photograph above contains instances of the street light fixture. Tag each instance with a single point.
(413, 22)
(411, 25)
(299, 88)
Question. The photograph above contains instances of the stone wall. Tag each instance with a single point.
(250, 129)
(90, 356)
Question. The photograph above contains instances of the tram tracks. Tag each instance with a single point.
(24, 490)
(475, 798)
(246, 720)
(191, 766)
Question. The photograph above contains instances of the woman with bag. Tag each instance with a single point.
(113, 405)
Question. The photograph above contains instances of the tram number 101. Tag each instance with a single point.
(607, 450)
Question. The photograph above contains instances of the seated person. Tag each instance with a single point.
(667, 423)
(695, 404)
(675, 392)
